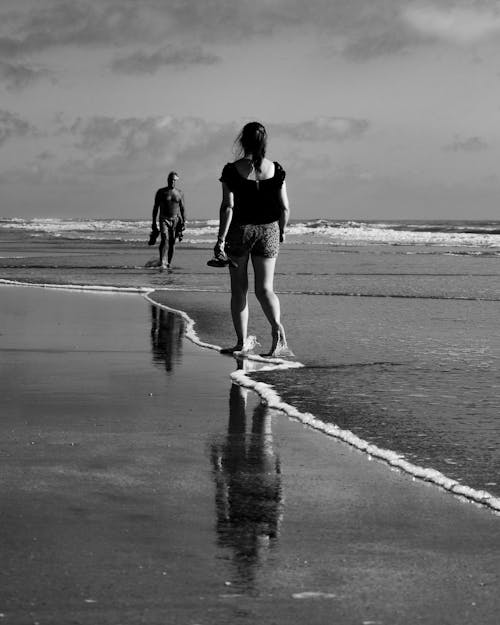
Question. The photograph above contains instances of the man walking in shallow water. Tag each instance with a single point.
(169, 207)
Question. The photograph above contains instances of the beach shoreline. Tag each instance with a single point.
(393, 459)
(352, 540)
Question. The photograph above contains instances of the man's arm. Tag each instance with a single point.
(182, 208)
(156, 207)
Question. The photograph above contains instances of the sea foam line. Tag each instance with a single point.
(215, 289)
(78, 287)
(191, 334)
(274, 401)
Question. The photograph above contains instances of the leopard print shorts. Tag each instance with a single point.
(256, 239)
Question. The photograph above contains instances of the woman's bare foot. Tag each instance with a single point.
(279, 345)
(247, 346)
(230, 350)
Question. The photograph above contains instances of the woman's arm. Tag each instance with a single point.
(285, 211)
(225, 216)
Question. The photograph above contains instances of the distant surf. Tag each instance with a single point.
(483, 235)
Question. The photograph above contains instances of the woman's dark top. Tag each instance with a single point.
(255, 202)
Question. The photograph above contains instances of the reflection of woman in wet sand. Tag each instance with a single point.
(253, 217)
(166, 336)
(248, 486)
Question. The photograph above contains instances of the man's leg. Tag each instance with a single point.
(171, 244)
(163, 247)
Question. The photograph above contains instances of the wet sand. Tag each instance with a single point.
(139, 485)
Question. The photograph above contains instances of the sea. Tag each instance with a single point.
(394, 326)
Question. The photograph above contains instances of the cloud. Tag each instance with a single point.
(16, 76)
(46, 155)
(28, 28)
(132, 146)
(109, 146)
(81, 24)
(374, 45)
(149, 63)
(12, 126)
(459, 25)
(324, 129)
(356, 29)
(136, 32)
(359, 29)
(470, 144)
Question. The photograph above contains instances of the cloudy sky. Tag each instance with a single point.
(376, 108)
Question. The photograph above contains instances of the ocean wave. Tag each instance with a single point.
(456, 235)
(384, 234)
(56, 224)
(120, 230)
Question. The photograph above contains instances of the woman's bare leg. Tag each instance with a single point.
(239, 302)
(264, 291)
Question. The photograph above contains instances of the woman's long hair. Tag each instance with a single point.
(253, 140)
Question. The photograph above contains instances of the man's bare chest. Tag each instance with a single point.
(170, 196)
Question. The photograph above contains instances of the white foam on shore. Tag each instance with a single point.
(191, 334)
(274, 401)
(189, 331)
(78, 287)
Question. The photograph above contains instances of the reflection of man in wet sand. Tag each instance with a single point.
(248, 488)
(169, 203)
(167, 330)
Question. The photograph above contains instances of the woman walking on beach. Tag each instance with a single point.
(253, 216)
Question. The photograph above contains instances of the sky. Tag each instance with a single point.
(376, 109)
